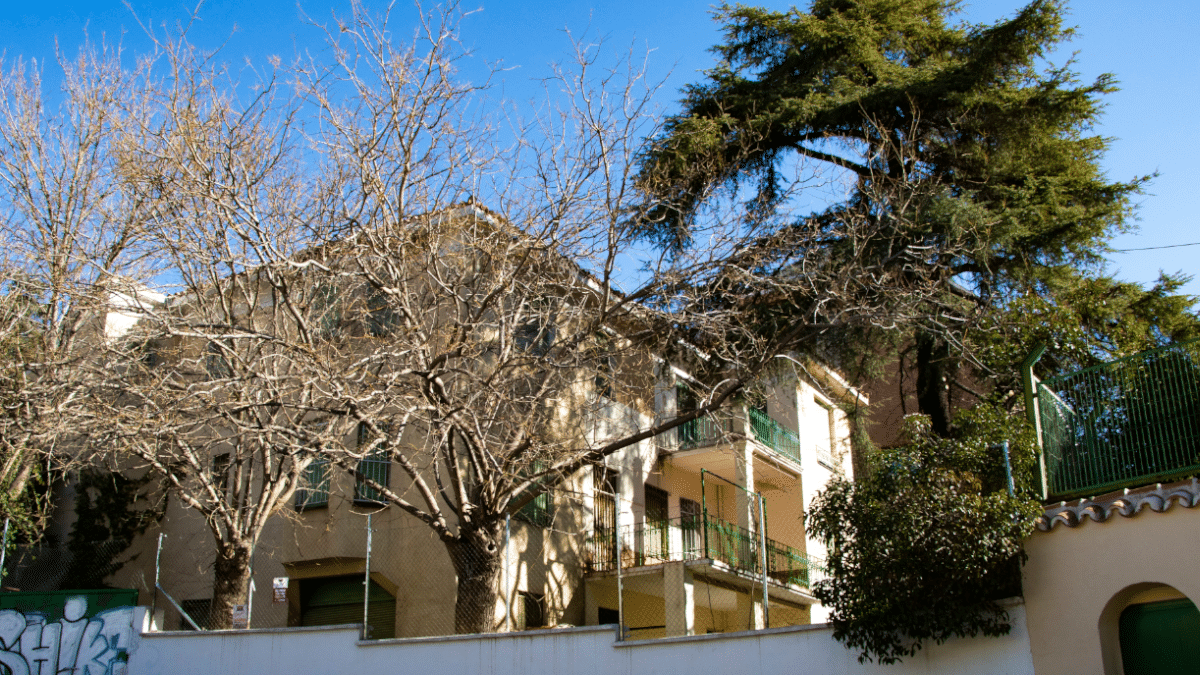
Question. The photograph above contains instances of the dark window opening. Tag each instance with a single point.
(220, 473)
(656, 536)
(540, 511)
(607, 616)
(604, 518)
(382, 318)
(216, 362)
(535, 335)
(199, 611)
(531, 611)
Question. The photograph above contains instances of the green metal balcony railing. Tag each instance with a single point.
(696, 538)
(708, 431)
(774, 435)
(1130, 422)
(702, 431)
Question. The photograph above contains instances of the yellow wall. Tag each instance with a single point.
(1077, 580)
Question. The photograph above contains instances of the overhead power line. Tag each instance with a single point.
(1153, 248)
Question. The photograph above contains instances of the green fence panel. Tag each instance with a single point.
(50, 604)
(1130, 422)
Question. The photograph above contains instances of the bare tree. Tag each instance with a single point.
(340, 276)
(495, 339)
(215, 389)
(69, 232)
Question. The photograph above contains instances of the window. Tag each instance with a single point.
(216, 362)
(376, 465)
(604, 366)
(382, 318)
(329, 601)
(656, 538)
(535, 335)
(314, 486)
(531, 611)
(604, 518)
(1159, 637)
(604, 378)
(220, 473)
(824, 436)
(325, 311)
(147, 353)
(691, 433)
(540, 511)
(199, 611)
(690, 520)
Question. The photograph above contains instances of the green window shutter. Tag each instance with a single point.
(382, 318)
(314, 486)
(376, 466)
(540, 511)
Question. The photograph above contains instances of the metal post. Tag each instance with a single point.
(250, 594)
(1029, 385)
(157, 574)
(508, 626)
(4, 552)
(762, 521)
(367, 582)
(620, 578)
(704, 511)
(1008, 470)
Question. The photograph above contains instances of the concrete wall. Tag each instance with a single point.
(571, 651)
(1078, 579)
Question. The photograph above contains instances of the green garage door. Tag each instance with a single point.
(1161, 638)
(330, 601)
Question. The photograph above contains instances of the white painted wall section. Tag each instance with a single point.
(336, 650)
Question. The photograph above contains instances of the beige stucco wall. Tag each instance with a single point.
(1077, 580)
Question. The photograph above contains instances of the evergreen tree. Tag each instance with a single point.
(1013, 206)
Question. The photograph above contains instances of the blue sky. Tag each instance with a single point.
(1149, 46)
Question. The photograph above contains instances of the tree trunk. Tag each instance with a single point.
(933, 387)
(231, 583)
(477, 556)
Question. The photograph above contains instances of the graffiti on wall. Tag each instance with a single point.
(74, 645)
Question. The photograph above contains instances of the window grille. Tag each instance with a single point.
(376, 465)
(314, 486)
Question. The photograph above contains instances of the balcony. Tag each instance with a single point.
(703, 538)
(711, 430)
(1131, 422)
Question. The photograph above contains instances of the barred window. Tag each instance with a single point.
(376, 465)
(314, 486)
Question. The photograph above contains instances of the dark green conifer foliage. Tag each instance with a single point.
(1014, 205)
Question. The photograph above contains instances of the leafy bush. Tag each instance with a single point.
(923, 546)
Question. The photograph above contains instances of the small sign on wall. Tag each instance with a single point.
(240, 616)
(280, 585)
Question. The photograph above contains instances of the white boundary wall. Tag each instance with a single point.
(568, 651)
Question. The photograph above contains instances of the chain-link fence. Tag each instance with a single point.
(366, 563)
(39, 578)
(577, 557)
(46, 567)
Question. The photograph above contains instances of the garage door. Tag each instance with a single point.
(329, 601)
(1161, 638)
